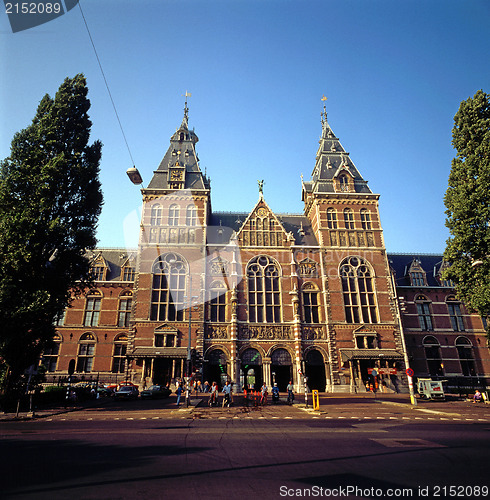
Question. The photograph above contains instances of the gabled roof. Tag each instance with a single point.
(331, 160)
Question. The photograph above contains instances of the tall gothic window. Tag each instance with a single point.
(349, 218)
(358, 291)
(310, 303)
(124, 313)
(455, 315)
(156, 215)
(332, 218)
(168, 288)
(423, 310)
(264, 296)
(433, 355)
(86, 351)
(173, 215)
(365, 219)
(217, 302)
(191, 216)
(119, 356)
(92, 308)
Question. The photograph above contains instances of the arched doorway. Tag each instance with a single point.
(281, 368)
(216, 368)
(315, 370)
(251, 368)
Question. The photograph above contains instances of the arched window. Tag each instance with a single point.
(156, 215)
(119, 356)
(423, 310)
(51, 353)
(433, 356)
(191, 216)
(264, 296)
(349, 218)
(124, 313)
(168, 288)
(466, 359)
(331, 218)
(173, 215)
(358, 291)
(92, 308)
(251, 357)
(365, 219)
(217, 302)
(86, 351)
(310, 303)
(455, 315)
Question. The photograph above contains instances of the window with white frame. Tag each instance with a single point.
(217, 302)
(92, 308)
(86, 352)
(119, 353)
(125, 304)
(424, 313)
(191, 216)
(455, 315)
(331, 218)
(311, 304)
(173, 215)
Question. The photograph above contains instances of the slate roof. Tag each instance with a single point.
(400, 265)
(115, 259)
(233, 221)
(331, 160)
(182, 152)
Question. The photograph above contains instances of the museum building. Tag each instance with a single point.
(262, 296)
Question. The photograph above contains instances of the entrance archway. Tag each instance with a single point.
(216, 368)
(281, 368)
(251, 367)
(315, 370)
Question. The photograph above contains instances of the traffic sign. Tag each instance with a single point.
(409, 372)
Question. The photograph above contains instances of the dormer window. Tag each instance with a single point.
(417, 274)
(344, 183)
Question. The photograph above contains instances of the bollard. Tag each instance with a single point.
(316, 400)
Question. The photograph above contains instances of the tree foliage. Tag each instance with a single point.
(467, 203)
(50, 201)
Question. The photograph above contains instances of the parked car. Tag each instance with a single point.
(127, 392)
(155, 392)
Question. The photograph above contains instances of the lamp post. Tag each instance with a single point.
(404, 346)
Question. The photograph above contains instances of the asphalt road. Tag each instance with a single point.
(156, 451)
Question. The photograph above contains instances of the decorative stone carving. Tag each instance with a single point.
(265, 332)
(307, 268)
(313, 333)
(217, 332)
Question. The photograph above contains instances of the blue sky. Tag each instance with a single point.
(394, 73)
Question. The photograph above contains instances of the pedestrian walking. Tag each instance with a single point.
(213, 397)
(179, 393)
(290, 389)
(263, 392)
(227, 394)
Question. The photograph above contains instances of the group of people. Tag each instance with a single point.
(228, 392)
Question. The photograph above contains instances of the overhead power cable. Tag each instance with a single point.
(106, 84)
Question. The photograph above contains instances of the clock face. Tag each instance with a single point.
(176, 175)
(262, 212)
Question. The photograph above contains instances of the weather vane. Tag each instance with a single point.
(186, 109)
(261, 187)
(324, 112)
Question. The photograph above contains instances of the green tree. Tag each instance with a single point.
(467, 203)
(50, 201)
